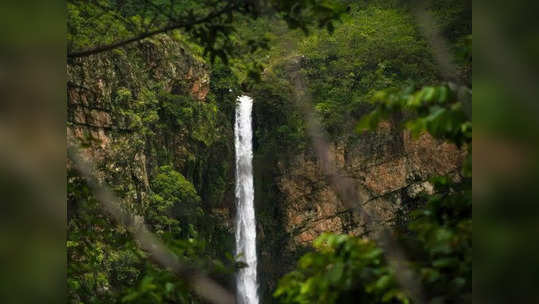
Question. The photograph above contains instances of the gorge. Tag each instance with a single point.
(171, 132)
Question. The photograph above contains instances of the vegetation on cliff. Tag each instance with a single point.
(152, 88)
(437, 239)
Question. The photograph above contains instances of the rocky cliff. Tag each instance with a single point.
(137, 108)
(389, 169)
(141, 107)
(94, 84)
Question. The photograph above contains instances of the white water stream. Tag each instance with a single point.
(247, 287)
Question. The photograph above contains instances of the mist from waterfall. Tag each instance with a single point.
(247, 287)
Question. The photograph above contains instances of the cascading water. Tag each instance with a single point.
(245, 219)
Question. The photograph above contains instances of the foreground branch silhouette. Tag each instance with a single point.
(174, 25)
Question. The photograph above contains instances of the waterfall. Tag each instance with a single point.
(245, 219)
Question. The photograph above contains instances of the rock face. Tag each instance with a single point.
(386, 177)
(389, 169)
(112, 99)
(143, 116)
(93, 84)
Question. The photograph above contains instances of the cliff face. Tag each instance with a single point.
(94, 83)
(123, 108)
(389, 169)
(145, 118)
(113, 101)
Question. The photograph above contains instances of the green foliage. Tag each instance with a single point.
(158, 286)
(442, 242)
(101, 257)
(224, 89)
(181, 112)
(174, 204)
(435, 110)
(305, 13)
(454, 21)
(438, 240)
(187, 143)
(156, 111)
(346, 269)
(376, 47)
(209, 23)
(91, 23)
(106, 266)
(454, 18)
(165, 123)
(343, 269)
(281, 124)
(167, 162)
(173, 188)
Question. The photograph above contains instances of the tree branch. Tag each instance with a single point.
(104, 48)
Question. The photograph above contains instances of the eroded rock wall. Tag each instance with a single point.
(385, 176)
(107, 118)
(389, 169)
(94, 81)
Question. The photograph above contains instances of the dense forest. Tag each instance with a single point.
(362, 148)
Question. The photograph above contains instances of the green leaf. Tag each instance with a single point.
(429, 94)
(169, 287)
(445, 262)
(383, 282)
(336, 272)
(130, 296)
(444, 94)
